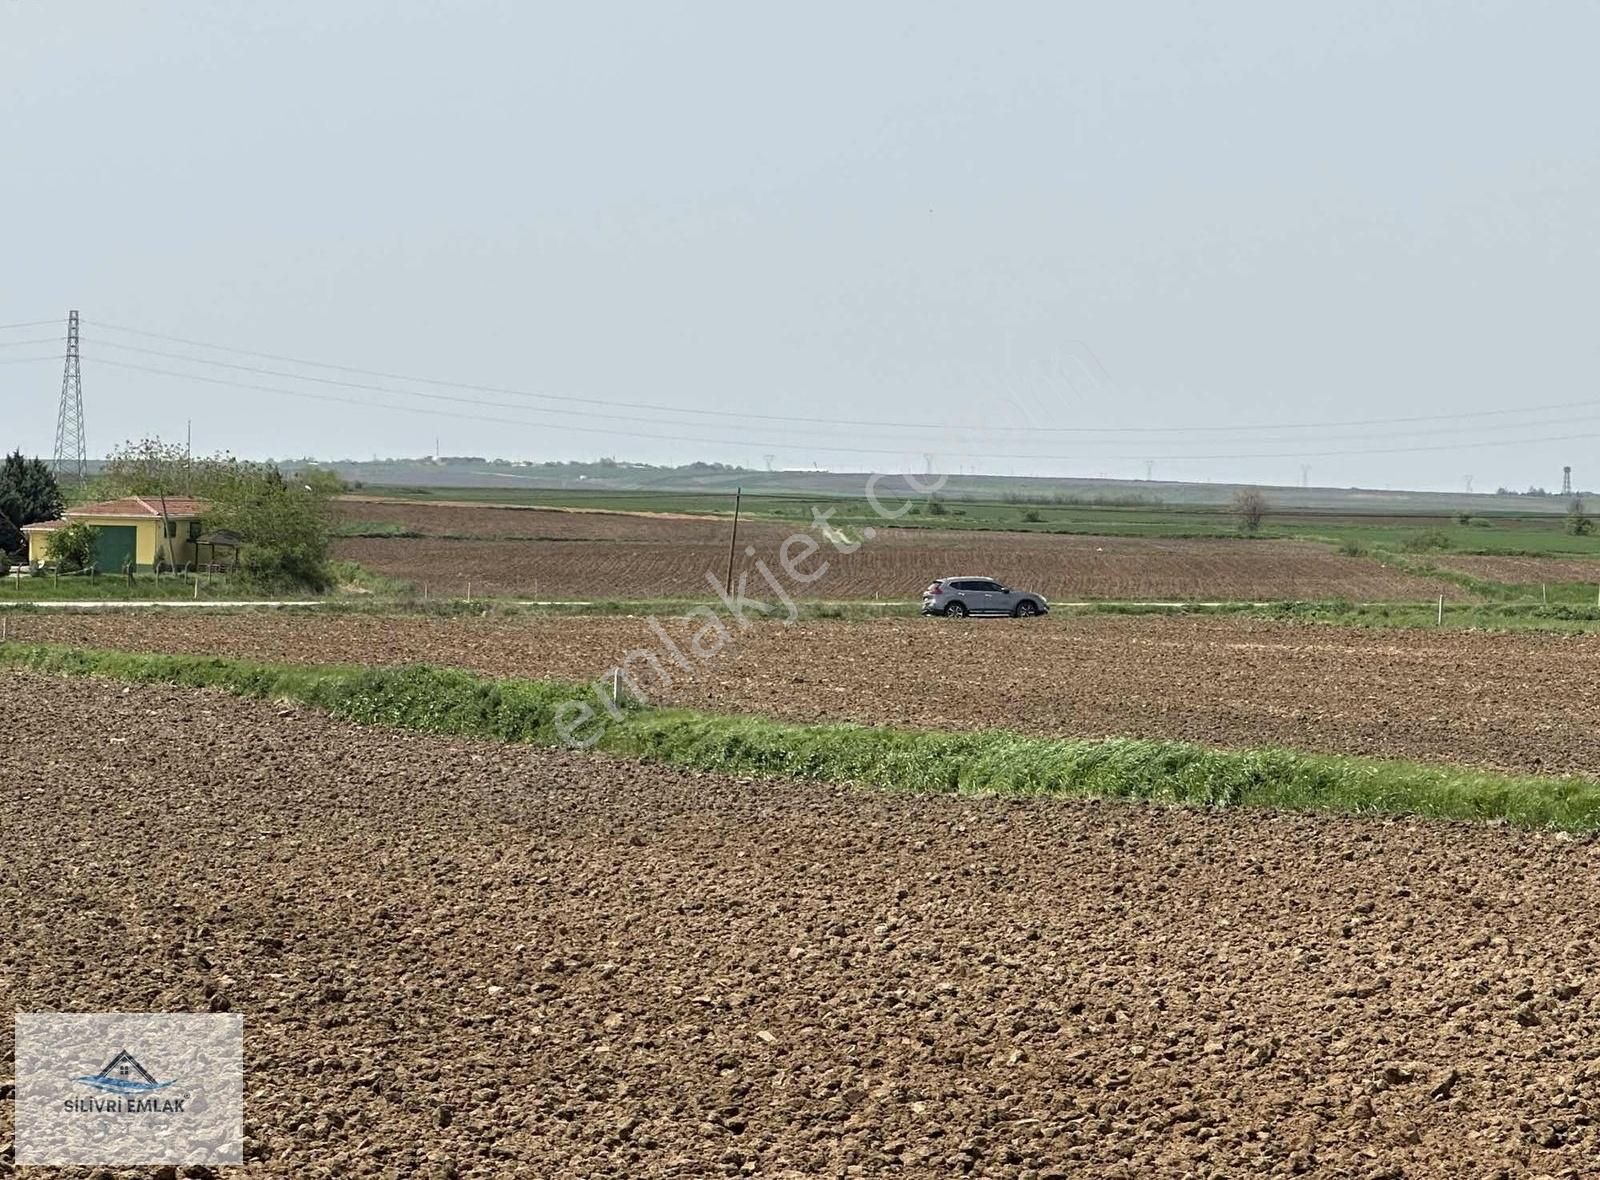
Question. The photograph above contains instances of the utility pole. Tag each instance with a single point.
(1305, 475)
(733, 538)
(1149, 470)
(71, 453)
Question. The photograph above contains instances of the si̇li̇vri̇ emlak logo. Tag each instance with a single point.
(131, 1082)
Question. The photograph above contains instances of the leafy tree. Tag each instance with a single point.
(72, 545)
(1579, 522)
(1250, 507)
(149, 467)
(282, 522)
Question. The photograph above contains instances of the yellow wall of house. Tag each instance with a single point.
(147, 540)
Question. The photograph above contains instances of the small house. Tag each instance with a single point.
(145, 528)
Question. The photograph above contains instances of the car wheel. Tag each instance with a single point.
(956, 610)
(1026, 609)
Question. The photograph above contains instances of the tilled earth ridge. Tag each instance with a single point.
(1519, 702)
(463, 958)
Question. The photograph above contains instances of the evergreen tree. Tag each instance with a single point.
(28, 494)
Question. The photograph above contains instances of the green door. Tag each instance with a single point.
(113, 545)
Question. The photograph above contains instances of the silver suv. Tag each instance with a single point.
(959, 597)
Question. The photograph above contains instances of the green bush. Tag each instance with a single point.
(1032, 517)
(1427, 541)
(1353, 549)
(71, 546)
(1579, 523)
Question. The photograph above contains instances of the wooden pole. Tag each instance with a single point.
(733, 538)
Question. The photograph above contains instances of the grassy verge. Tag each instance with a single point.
(448, 701)
(115, 587)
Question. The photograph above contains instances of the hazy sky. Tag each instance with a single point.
(893, 229)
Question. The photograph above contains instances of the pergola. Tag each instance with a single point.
(221, 539)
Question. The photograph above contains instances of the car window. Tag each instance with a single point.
(990, 586)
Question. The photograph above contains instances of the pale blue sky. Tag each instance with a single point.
(940, 217)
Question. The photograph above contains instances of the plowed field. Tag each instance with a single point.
(572, 555)
(1525, 570)
(1515, 702)
(463, 959)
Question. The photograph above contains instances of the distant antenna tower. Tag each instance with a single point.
(1469, 483)
(71, 454)
(1305, 475)
(1566, 481)
(1149, 470)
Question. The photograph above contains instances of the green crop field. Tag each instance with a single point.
(1106, 514)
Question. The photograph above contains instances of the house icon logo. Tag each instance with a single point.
(124, 1075)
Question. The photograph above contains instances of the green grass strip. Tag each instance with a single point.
(450, 701)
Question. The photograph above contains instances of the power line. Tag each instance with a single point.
(35, 340)
(28, 324)
(832, 448)
(724, 414)
(368, 405)
(814, 427)
(23, 360)
(445, 397)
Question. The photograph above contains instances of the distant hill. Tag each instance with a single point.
(612, 475)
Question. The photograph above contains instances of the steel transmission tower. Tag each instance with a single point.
(71, 451)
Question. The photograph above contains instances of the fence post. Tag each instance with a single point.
(1441, 610)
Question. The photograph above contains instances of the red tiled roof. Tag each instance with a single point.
(43, 526)
(142, 507)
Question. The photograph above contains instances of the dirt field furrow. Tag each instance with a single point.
(1522, 702)
(464, 959)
